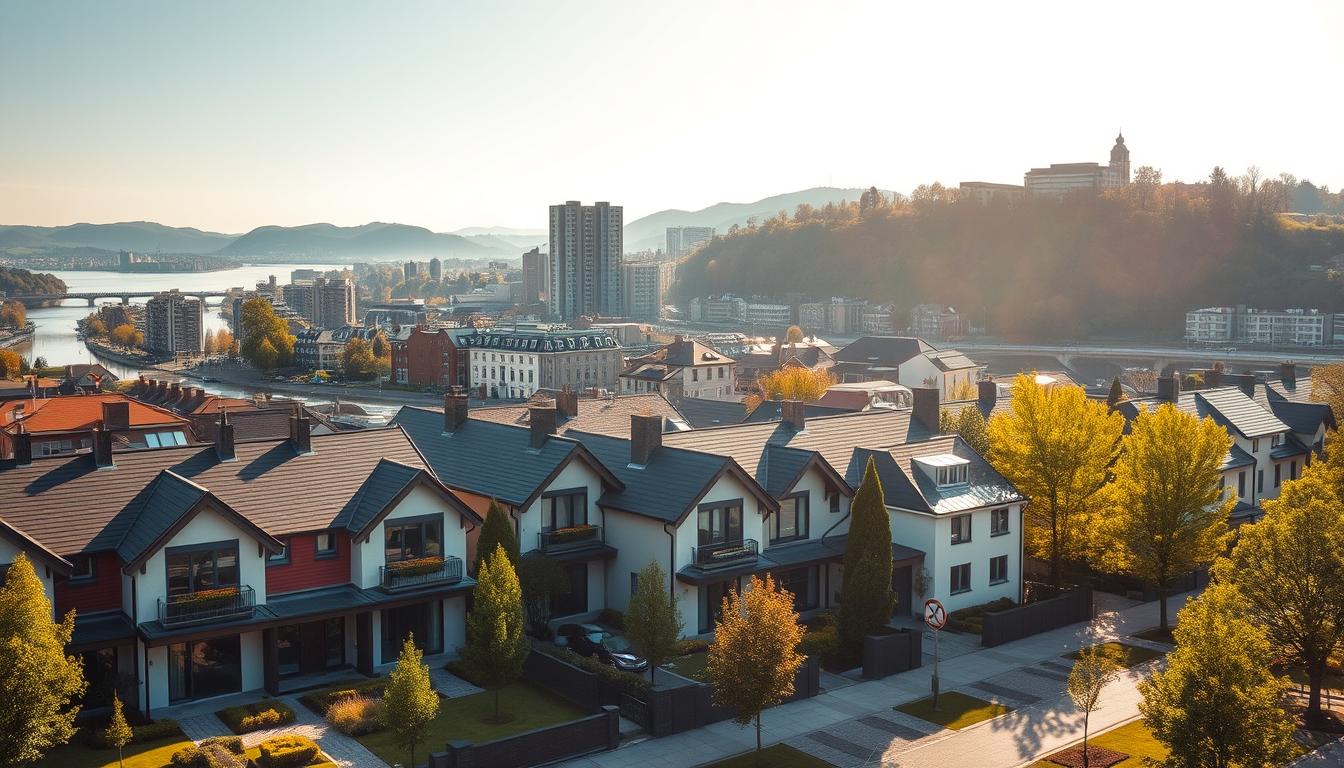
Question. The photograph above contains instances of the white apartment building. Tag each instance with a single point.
(761, 315)
(1216, 325)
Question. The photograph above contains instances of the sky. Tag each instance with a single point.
(229, 116)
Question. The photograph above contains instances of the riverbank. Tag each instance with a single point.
(248, 380)
(15, 338)
(121, 355)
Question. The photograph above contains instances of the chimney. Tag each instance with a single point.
(300, 431)
(646, 436)
(567, 403)
(793, 412)
(23, 447)
(541, 421)
(678, 339)
(1213, 378)
(117, 416)
(1288, 373)
(926, 407)
(1246, 381)
(988, 391)
(174, 392)
(1169, 387)
(454, 411)
(102, 448)
(224, 437)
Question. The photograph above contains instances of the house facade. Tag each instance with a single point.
(908, 361)
(684, 368)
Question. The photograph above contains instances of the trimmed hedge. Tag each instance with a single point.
(267, 713)
(628, 682)
(207, 755)
(288, 752)
(232, 743)
(972, 619)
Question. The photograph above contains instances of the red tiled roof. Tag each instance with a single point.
(75, 413)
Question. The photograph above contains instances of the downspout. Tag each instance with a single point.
(1021, 552)
(671, 562)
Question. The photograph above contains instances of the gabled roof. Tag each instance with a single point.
(703, 412)
(253, 423)
(1228, 406)
(1302, 418)
(605, 415)
(386, 485)
(883, 350)
(79, 413)
(950, 360)
(26, 543)
(985, 486)
(1236, 457)
(1297, 390)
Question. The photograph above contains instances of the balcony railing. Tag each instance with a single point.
(724, 554)
(573, 537)
(421, 572)
(205, 606)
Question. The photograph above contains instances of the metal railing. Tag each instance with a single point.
(725, 553)
(209, 605)
(394, 578)
(573, 537)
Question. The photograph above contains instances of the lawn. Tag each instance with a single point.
(78, 754)
(462, 719)
(777, 756)
(1125, 655)
(955, 710)
(693, 665)
(1133, 739)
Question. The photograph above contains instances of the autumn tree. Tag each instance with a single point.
(1289, 568)
(792, 382)
(754, 656)
(496, 645)
(410, 702)
(380, 347)
(13, 315)
(94, 326)
(1217, 703)
(261, 327)
(11, 364)
(866, 596)
(1056, 446)
(208, 345)
(652, 619)
(496, 531)
(969, 424)
(1116, 395)
(126, 335)
(1091, 673)
(1169, 511)
(118, 732)
(224, 343)
(793, 335)
(358, 361)
(41, 682)
(264, 356)
(1327, 386)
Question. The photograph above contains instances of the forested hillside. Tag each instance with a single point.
(1129, 262)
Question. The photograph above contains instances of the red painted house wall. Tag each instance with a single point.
(101, 594)
(307, 571)
(431, 359)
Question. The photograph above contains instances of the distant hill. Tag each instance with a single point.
(142, 236)
(502, 232)
(370, 241)
(650, 232)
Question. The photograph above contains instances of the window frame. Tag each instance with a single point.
(994, 529)
(283, 557)
(214, 547)
(958, 535)
(1004, 578)
(725, 506)
(802, 512)
(82, 578)
(407, 522)
(547, 510)
(325, 554)
(952, 579)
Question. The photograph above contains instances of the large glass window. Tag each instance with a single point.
(210, 566)
(802, 582)
(564, 509)
(289, 640)
(204, 668)
(424, 622)
(720, 524)
(408, 540)
(998, 569)
(791, 522)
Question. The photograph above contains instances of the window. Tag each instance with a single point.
(961, 529)
(961, 578)
(281, 557)
(411, 539)
(1274, 441)
(205, 668)
(326, 544)
(720, 524)
(791, 522)
(1278, 470)
(835, 503)
(1292, 470)
(1259, 481)
(998, 569)
(82, 568)
(953, 475)
(802, 583)
(207, 566)
(634, 583)
(1241, 483)
(564, 509)
(55, 447)
(998, 521)
(695, 374)
(1255, 445)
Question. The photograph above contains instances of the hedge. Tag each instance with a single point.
(318, 701)
(158, 730)
(288, 752)
(972, 619)
(267, 713)
(208, 755)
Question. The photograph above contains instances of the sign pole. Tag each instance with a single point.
(935, 616)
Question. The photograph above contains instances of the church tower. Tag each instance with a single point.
(1120, 158)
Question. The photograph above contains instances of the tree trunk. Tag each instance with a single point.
(1316, 674)
(1086, 716)
(1162, 608)
(758, 731)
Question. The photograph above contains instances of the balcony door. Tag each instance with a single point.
(720, 524)
(205, 668)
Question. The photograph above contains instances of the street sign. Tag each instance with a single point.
(934, 615)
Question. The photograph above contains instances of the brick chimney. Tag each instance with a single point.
(541, 422)
(646, 437)
(301, 431)
(224, 437)
(1169, 387)
(23, 447)
(567, 403)
(174, 392)
(987, 391)
(117, 416)
(926, 407)
(1288, 373)
(1213, 378)
(102, 448)
(455, 411)
(794, 413)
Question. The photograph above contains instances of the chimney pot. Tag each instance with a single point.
(541, 423)
(300, 431)
(794, 412)
(646, 437)
(988, 393)
(102, 447)
(1288, 372)
(926, 407)
(455, 411)
(1169, 387)
(224, 438)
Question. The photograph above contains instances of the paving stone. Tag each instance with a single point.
(1065, 668)
(894, 728)
(1012, 694)
(840, 745)
(451, 685)
(1046, 673)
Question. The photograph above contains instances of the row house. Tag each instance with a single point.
(199, 571)
(431, 357)
(66, 424)
(909, 361)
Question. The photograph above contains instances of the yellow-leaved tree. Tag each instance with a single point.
(792, 382)
(1056, 446)
(1169, 512)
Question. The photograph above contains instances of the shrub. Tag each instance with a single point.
(318, 701)
(288, 752)
(355, 715)
(267, 713)
(820, 643)
(158, 730)
(612, 618)
(232, 743)
(972, 619)
(207, 756)
(687, 647)
(417, 567)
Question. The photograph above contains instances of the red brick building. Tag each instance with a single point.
(430, 357)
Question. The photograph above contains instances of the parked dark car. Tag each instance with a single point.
(594, 641)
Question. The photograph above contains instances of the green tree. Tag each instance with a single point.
(118, 733)
(264, 356)
(1116, 395)
(358, 361)
(410, 702)
(260, 325)
(41, 683)
(968, 423)
(653, 620)
(496, 531)
(541, 579)
(1289, 567)
(496, 645)
(1056, 446)
(1169, 513)
(1094, 670)
(1217, 704)
(866, 597)
(754, 656)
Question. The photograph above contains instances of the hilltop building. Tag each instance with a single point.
(1219, 325)
(682, 240)
(1061, 179)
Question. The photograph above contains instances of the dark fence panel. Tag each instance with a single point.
(543, 745)
(899, 651)
(674, 709)
(1025, 620)
(578, 685)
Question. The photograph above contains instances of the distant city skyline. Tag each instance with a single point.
(445, 115)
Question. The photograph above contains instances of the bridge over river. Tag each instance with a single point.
(1157, 357)
(123, 296)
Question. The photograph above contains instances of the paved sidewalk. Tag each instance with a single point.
(858, 725)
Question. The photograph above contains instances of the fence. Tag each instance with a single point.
(898, 651)
(675, 708)
(1025, 620)
(593, 733)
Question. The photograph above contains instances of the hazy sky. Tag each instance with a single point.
(231, 115)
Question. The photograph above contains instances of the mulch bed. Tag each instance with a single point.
(1097, 757)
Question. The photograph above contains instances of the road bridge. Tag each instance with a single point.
(1157, 356)
(123, 296)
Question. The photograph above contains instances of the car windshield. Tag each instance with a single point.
(616, 644)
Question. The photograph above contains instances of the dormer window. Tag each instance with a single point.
(955, 475)
(945, 469)
(1274, 441)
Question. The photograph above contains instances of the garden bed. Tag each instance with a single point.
(257, 716)
(318, 700)
(693, 666)
(955, 710)
(1133, 740)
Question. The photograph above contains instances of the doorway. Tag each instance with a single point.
(902, 583)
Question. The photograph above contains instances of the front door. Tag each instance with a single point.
(711, 604)
(901, 586)
(422, 621)
(313, 658)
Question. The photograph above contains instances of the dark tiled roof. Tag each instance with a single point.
(1303, 418)
(882, 350)
(256, 424)
(690, 352)
(986, 486)
(608, 416)
(702, 412)
(1228, 406)
(382, 485)
(781, 468)
(1288, 449)
(1297, 391)
(1236, 457)
(167, 500)
(69, 505)
(773, 410)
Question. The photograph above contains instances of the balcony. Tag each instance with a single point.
(206, 606)
(421, 572)
(571, 538)
(725, 554)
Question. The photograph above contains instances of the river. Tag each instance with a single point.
(54, 334)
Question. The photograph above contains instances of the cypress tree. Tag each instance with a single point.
(496, 532)
(866, 597)
(1116, 395)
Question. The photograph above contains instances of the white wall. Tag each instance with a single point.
(7, 554)
(943, 555)
(575, 475)
(368, 555)
(454, 624)
(727, 488)
(638, 541)
(151, 585)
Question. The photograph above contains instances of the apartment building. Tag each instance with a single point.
(585, 260)
(432, 357)
(1220, 325)
(938, 322)
(683, 240)
(535, 280)
(513, 362)
(645, 284)
(174, 323)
